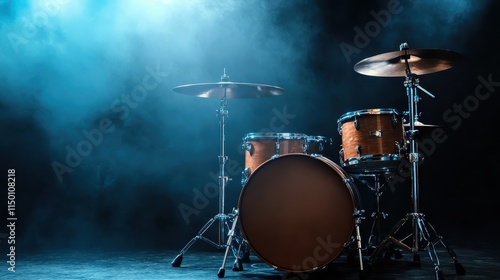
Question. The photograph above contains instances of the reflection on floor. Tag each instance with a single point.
(206, 264)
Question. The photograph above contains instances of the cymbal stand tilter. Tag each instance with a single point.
(423, 235)
(223, 219)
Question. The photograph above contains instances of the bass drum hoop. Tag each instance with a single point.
(289, 214)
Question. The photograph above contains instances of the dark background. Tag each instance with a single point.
(66, 68)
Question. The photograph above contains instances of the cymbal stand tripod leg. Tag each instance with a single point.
(420, 236)
(219, 217)
(434, 239)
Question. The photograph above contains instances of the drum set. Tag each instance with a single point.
(299, 210)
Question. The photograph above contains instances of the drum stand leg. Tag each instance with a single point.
(375, 236)
(238, 264)
(358, 215)
(222, 218)
(375, 232)
(420, 236)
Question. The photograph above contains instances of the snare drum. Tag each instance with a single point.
(260, 147)
(372, 140)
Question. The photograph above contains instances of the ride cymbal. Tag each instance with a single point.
(420, 62)
(229, 90)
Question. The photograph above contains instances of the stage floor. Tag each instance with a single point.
(205, 264)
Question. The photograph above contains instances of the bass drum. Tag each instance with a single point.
(296, 212)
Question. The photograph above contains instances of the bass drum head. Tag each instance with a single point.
(296, 212)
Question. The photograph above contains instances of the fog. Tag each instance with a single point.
(106, 152)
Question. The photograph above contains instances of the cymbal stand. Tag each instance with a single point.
(223, 219)
(423, 235)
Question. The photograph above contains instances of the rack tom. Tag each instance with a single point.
(372, 140)
(261, 146)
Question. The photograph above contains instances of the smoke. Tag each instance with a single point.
(90, 85)
(103, 144)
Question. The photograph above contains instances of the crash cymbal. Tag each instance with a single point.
(420, 62)
(230, 89)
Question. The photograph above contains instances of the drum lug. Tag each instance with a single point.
(248, 147)
(245, 174)
(359, 150)
(341, 155)
(321, 147)
(359, 213)
(356, 125)
(397, 145)
(394, 120)
(348, 180)
(305, 146)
